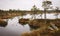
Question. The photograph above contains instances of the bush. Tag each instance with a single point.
(3, 23)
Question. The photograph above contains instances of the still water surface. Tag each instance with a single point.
(13, 28)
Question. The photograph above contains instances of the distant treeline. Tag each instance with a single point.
(48, 11)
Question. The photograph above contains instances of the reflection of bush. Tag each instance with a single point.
(34, 24)
(3, 23)
(33, 27)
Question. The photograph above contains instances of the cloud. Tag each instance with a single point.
(24, 4)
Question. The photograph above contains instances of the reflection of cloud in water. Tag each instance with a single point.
(14, 28)
(38, 16)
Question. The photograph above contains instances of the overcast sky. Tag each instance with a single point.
(24, 4)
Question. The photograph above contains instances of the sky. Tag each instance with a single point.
(24, 4)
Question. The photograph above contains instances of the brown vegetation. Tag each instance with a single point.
(32, 33)
(23, 21)
(39, 32)
(37, 23)
(3, 23)
(43, 31)
(42, 28)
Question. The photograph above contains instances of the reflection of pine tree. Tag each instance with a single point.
(34, 9)
(46, 6)
(57, 12)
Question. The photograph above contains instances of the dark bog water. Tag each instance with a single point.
(13, 28)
